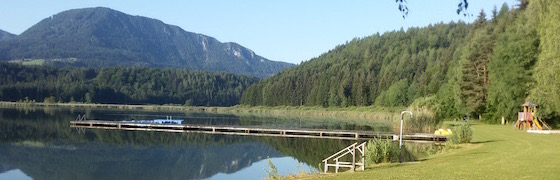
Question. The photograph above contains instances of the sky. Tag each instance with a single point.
(281, 30)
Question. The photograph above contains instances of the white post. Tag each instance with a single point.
(326, 166)
(354, 157)
(400, 136)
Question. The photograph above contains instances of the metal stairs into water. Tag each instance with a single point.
(334, 160)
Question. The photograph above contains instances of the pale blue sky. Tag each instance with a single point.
(281, 30)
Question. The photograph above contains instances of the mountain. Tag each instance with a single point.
(6, 35)
(101, 37)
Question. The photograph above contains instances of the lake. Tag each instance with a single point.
(38, 143)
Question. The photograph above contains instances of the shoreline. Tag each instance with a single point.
(108, 106)
(355, 113)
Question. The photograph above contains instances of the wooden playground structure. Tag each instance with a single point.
(528, 119)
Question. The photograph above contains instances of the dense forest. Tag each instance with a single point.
(486, 69)
(373, 70)
(121, 85)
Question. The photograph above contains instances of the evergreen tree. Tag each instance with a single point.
(474, 70)
(512, 65)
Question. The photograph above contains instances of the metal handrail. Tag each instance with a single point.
(345, 151)
(341, 151)
(363, 145)
(350, 150)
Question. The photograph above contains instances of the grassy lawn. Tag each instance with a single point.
(496, 152)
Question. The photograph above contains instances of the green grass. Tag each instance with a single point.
(496, 152)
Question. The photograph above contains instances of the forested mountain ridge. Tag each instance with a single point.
(6, 35)
(118, 85)
(368, 71)
(484, 69)
(102, 37)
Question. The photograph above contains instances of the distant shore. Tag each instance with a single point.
(109, 106)
(356, 113)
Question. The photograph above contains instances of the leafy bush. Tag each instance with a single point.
(50, 100)
(381, 151)
(462, 133)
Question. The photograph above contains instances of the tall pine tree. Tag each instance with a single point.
(512, 65)
(474, 80)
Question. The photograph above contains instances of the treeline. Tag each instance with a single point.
(121, 85)
(485, 69)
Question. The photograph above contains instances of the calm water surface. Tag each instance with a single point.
(37, 143)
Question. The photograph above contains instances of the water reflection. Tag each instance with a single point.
(256, 170)
(110, 161)
(39, 142)
(14, 174)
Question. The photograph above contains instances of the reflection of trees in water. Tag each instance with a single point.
(42, 144)
(53, 125)
(111, 161)
(33, 124)
(308, 150)
(181, 155)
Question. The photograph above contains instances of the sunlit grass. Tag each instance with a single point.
(496, 152)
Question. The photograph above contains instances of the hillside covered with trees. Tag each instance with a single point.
(6, 35)
(103, 37)
(485, 69)
(121, 85)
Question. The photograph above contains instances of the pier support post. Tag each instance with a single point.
(354, 157)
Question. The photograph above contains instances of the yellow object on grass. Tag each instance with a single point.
(443, 132)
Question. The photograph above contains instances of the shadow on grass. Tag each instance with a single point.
(484, 142)
(476, 153)
(394, 164)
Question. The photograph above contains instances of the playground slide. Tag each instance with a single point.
(539, 127)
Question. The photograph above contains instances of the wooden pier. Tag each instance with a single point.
(256, 131)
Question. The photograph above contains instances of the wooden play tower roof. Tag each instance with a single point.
(529, 104)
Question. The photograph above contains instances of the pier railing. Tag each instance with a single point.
(255, 131)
